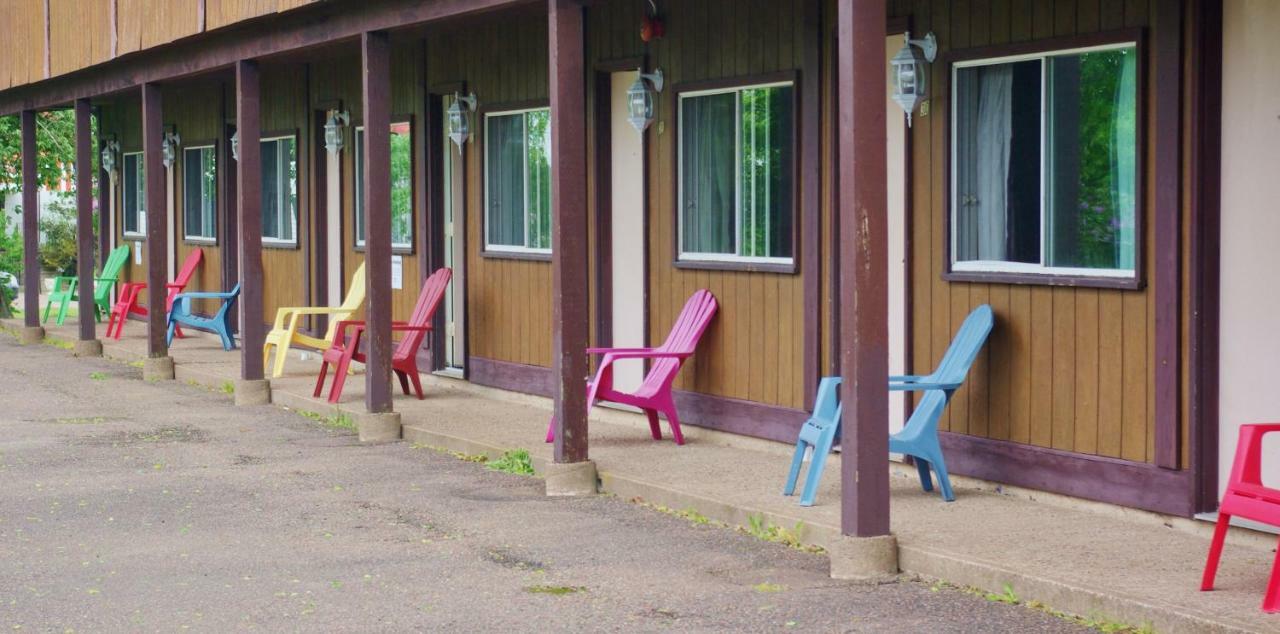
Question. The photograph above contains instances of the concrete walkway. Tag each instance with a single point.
(1097, 561)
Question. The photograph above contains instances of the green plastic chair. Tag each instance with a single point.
(64, 287)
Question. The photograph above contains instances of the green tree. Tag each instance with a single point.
(55, 144)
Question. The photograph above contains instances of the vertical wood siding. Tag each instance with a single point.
(23, 58)
(196, 111)
(79, 34)
(285, 110)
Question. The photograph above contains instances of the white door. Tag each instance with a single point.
(333, 220)
(454, 305)
(627, 257)
(895, 158)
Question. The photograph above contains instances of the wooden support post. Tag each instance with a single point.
(1167, 161)
(570, 319)
(84, 218)
(376, 74)
(249, 219)
(30, 223)
(863, 185)
(157, 219)
(106, 221)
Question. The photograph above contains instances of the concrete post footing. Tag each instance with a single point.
(571, 478)
(252, 392)
(157, 368)
(30, 334)
(88, 348)
(864, 558)
(378, 427)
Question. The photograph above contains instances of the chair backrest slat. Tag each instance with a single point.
(425, 308)
(683, 338)
(115, 261)
(355, 291)
(966, 345)
(189, 267)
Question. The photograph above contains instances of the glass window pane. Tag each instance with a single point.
(707, 164)
(209, 190)
(539, 188)
(997, 163)
(289, 176)
(766, 200)
(1090, 171)
(401, 185)
(270, 190)
(505, 180)
(192, 205)
(132, 192)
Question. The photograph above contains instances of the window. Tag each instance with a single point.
(1044, 163)
(735, 174)
(517, 155)
(199, 193)
(279, 191)
(401, 186)
(135, 196)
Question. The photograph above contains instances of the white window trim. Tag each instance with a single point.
(357, 202)
(186, 236)
(728, 258)
(509, 248)
(1028, 268)
(139, 214)
(294, 215)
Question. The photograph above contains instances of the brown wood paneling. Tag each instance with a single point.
(285, 110)
(23, 60)
(79, 34)
(220, 13)
(196, 112)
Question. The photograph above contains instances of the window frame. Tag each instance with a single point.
(1038, 273)
(735, 262)
(139, 219)
(502, 250)
(277, 243)
(186, 235)
(357, 151)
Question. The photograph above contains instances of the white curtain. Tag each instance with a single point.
(1124, 173)
(991, 163)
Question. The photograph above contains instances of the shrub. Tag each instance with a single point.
(10, 247)
(58, 226)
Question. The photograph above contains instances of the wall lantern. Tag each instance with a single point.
(640, 99)
(460, 118)
(909, 72)
(235, 145)
(109, 152)
(338, 119)
(169, 148)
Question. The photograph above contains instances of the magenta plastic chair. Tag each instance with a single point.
(654, 395)
(1247, 497)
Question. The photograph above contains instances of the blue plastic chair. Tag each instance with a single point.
(949, 375)
(919, 439)
(219, 323)
(818, 433)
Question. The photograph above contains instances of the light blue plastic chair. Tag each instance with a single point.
(818, 433)
(219, 323)
(919, 437)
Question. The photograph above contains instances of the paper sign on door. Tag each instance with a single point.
(397, 272)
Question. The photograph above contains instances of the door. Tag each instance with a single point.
(627, 228)
(896, 159)
(454, 252)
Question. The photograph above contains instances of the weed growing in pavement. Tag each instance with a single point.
(337, 420)
(228, 387)
(515, 461)
(555, 590)
(135, 364)
(465, 457)
(760, 528)
(1009, 597)
(81, 420)
(98, 376)
(769, 587)
(58, 342)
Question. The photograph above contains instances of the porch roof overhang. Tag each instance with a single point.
(292, 32)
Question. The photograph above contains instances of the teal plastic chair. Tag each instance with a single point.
(949, 375)
(819, 434)
(219, 323)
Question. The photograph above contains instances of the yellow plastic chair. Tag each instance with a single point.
(283, 337)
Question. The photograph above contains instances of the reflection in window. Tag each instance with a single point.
(518, 181)
(401, 186)
(199, 193)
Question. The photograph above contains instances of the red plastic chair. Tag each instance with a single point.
(654, 394)
(404, 359)
(128, 302)
(1246, 497)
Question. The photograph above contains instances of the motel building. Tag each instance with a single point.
(1100, 173)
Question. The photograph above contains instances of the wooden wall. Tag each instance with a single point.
(1068, 368)
(82, 33)
(196, 111)
(504, 60)
(123, 118)
(285, 111)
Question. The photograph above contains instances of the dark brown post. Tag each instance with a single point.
(84, 218)
(864, 350)
(157, 211)
(30, 223)
(376, 73)
(249, 219)
(570, 319)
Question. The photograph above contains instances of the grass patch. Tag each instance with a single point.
(1009, 597)
(465, 457)
(336, 420)
(515, 461)
(767, 587)
(554, 590)
(228, 387)
(98, 376)
(690, 514)
(760, 528)
(81, 420)
(58, 342)
(136, 364)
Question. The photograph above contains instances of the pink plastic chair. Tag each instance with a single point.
(654, 394)
(1246, 497)
(128, 302)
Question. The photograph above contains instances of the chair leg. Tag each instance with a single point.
(339, 377)
(47, 305)
(227, 342)
(266, 354)
(417, 383)
(673, 420)
(278, 370)
(168, 332)
(922, 466)
(944, 480)
(324, 369)
(1215, 552)
(797, 460)
(551, 429)
(1271, 600)
(816, 465)
(62, 310)
(404, 381)
(654, 429)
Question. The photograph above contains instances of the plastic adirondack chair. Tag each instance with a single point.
(283, 336)
(654, 394)
(949, 375)
(219, 323)
(404, 359)
(65, 287)
(128, 302)
(817, 434)
(1247, 497)
(919, 439)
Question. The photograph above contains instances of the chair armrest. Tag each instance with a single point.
(920, 386)
(907, 378)
(619, 350)
(408, 328)
(647, 354)
(204, 295)
(340, 332)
